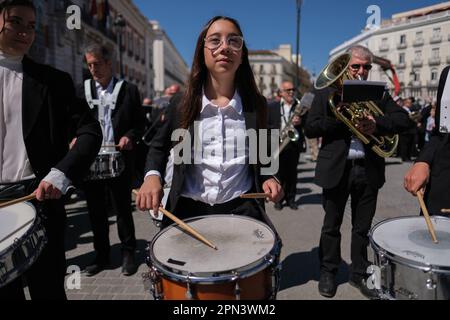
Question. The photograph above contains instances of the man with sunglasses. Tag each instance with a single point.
(346, 167)
(280, 114)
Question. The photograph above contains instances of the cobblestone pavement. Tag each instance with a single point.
(300, 231)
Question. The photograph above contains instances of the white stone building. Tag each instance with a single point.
(418, 45)
(169, 66)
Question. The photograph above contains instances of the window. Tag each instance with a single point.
(261, 69)
(400, 75)
(434, 74)
(384, 41)
(403, 39)
(436, 32)
(419, 35)
(401, 58)
(418, 55)
(435, 53)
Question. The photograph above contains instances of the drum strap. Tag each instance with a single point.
(99, 102)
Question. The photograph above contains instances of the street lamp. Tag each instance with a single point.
(299, 9)
(120, 24)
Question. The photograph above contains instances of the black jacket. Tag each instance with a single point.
(161, 144)
(336, 139)
(437, 154)
(52, 116)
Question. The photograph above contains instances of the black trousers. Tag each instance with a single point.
(115, 195)
(363, 206)
(406, 146)
(288, 170)
(45, 278)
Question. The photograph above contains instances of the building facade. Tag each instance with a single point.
(418, 45)
(170, 68)
(271, 67)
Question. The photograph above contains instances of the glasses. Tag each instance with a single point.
(234, 42)
(288, 90)
(366, 67)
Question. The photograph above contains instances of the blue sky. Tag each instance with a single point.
(268, 23)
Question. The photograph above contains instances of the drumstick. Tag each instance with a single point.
(427, 216)
(11, 202)
(445, 210)
(255, 195)
(184, 226)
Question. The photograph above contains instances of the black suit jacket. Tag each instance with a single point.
(336, 139)
(161, 145)
(52, 116)
(437, 154)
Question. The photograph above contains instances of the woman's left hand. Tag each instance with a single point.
(273, 188)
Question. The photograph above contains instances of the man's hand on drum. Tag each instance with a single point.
(150, 194)
(272, 187)
(46, 191)
(417, 177)
(125, 143)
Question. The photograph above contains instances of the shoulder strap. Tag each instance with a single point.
(115, 94)
(88, 94)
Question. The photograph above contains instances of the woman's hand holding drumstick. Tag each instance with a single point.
(149, 197)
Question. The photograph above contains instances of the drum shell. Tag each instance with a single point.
(405, 279)
(18, 257)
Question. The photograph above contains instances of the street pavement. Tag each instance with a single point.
(299, 230)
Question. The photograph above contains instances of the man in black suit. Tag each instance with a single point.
(40, 116)
(117, 105)
(281, 114)
(431, 170)
(346, 167)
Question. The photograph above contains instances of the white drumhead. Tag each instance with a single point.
(15, 221)
(410, 239)
(240, 241)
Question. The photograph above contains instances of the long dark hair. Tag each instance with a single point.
(245, 83)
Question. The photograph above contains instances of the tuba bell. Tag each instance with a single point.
(333, 75)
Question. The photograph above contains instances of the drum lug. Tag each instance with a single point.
(237, 288)
(189, 295)
(431, 282)
(152, 283)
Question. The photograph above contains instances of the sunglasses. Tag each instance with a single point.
(366, 67)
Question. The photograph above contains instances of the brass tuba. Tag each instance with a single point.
(333, 75)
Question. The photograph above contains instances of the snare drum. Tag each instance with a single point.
(22, 238)
(107, 164)
(245, 266)
(411, 265)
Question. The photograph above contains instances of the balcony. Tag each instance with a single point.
(434, 61)
(436, 39)
(418, 42)
(433, 83)
(384, 47)
(417, 63)
(402, 45)
(416, 84)
(401, 65)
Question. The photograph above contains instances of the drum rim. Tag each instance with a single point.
(37, 230)
(401, 260)
(208, 278)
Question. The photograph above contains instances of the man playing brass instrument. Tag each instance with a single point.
(347, 167)
(284, 115)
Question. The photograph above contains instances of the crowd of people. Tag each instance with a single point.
(56, 135)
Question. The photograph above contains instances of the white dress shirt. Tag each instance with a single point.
(221, 172)
(285, 113)
(14, 163)
(105, 95)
